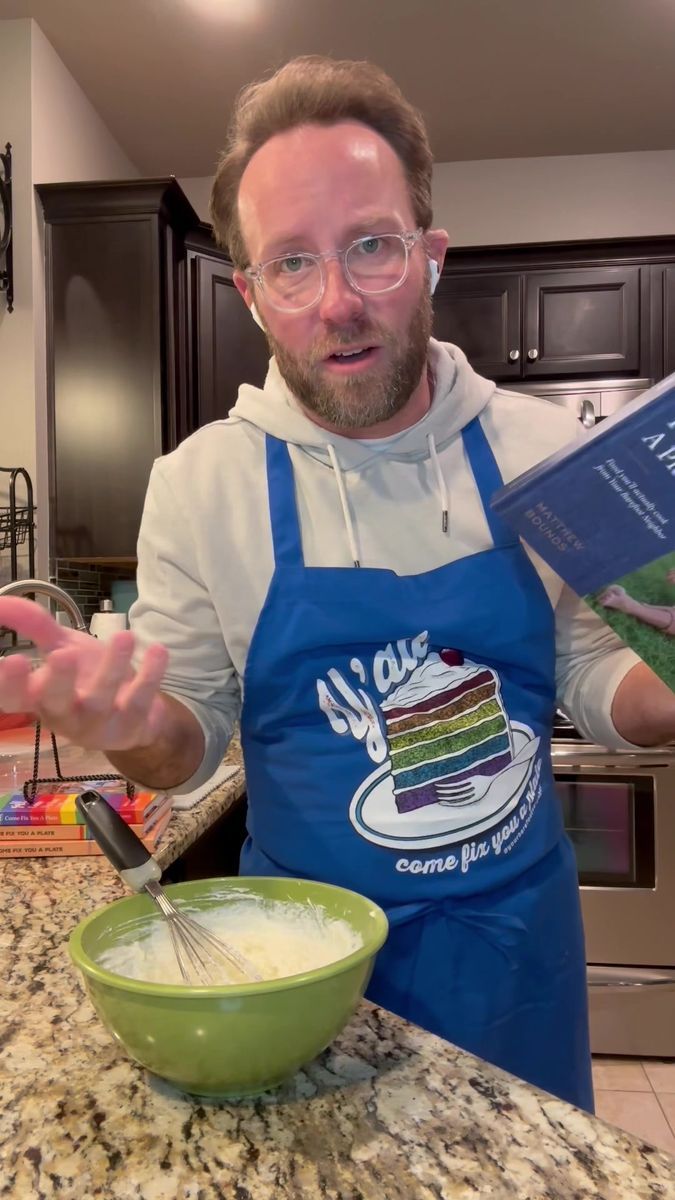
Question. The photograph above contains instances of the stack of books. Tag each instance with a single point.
(51, 826)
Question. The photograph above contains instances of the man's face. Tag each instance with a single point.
(317, 188)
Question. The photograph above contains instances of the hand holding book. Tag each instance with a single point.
(601, 513)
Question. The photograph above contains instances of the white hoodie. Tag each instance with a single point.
(205, 556)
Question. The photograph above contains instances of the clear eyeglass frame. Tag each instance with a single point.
(409, 239)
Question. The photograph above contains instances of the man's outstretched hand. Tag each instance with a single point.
(84, 690)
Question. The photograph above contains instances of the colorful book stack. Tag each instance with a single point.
(51, 826)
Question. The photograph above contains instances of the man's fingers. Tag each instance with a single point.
(112, 668)
(139, 692)
(52, 686)
(32, 622)
(15, 674)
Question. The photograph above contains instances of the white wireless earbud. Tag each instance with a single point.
(434, 274)
(256, 316)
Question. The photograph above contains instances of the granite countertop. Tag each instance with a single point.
(388, 1112)
(185, 827)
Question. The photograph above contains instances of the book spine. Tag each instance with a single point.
(39, 817)
(60, 848)
(65, 833)
(49, 833)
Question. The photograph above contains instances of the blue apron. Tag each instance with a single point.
(396, 738)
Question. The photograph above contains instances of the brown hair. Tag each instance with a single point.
(313, 89)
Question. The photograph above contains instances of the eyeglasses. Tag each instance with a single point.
(372, 265)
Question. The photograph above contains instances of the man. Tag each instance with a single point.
(329, 554)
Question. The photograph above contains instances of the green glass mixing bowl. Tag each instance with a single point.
(237, 1040)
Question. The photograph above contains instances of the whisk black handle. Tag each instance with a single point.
(118, 842)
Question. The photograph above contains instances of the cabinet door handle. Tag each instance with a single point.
(587, 414)
(514, 355)
(533, 355)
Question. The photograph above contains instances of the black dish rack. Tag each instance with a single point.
(17, 521)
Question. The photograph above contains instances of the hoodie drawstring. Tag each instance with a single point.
(349, 526)
(347, 517)
(440, 482)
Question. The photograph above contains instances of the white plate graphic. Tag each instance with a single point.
(374, 814)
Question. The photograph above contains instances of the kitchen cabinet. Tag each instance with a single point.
(669, 320)
(148, 340)
(482, 314)
(116, 370)
(226, 346)
(582, 322)
(543, 323)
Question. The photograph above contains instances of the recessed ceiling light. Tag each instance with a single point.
(224, 10)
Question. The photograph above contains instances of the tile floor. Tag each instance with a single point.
(638, 1097)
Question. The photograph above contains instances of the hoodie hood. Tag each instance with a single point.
(459, 395)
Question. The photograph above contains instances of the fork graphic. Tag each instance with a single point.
(471, 790)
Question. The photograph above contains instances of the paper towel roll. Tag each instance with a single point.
(104, 624)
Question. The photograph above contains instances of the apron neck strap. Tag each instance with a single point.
(284, 521)
(488, 479)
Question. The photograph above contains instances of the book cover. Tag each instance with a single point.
(601, 513)
(76, 833)
(57, 807)
(47, 847)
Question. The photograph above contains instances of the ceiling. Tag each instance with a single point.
(494, 78)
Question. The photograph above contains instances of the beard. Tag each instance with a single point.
(361, 400)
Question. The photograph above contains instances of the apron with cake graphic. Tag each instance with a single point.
(396, 737)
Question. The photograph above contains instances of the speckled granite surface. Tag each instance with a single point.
(388, 1113)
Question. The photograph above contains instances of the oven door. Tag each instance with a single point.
(619, 812)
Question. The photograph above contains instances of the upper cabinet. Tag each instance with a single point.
(582, 322)
(148, 338)
(117, 380)
(668, 320)
(544, 324)
(226, 346)
(483, 315)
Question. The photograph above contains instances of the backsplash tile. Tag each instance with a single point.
(86, 583)
(89, 584)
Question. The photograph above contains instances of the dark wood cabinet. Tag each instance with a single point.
(669, 320)
(117, 373)
(582, 322)
(482, 314)
(549, 324)
(148, 339)
(226, 346)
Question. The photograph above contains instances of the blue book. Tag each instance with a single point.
(601, 513)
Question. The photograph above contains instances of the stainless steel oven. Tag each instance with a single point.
(619, 811)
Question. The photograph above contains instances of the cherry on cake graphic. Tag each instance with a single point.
(449, 735)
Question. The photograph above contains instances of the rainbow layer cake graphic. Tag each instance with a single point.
(446, 723)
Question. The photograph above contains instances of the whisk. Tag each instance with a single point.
(202, 958)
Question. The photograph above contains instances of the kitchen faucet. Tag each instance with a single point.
(40, 587)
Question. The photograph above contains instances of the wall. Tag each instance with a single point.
(198, 192)
(542, 199)
(556, 199)
(69, 139)
(17, 424)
